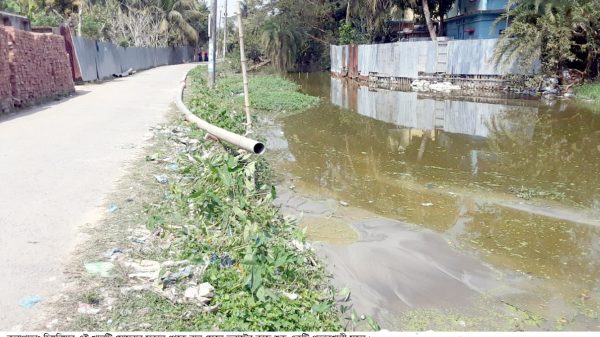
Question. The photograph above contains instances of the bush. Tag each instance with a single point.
(589, 91)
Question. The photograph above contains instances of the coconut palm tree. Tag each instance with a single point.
(281, 44)
(186, 20)
(560, 34)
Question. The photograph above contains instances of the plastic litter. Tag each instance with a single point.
(99, 268)
(145, 269)
(138, 240)
(113, 208)
(29, 302)
(87, 309)
(202, 293)
(162, 179)
(113, 253)
(172, 167)
(226, 261)
(172, 278)
(291, 296)
(299, 246)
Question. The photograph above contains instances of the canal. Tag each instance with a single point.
(448, 213)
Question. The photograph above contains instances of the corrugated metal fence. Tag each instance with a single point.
(100, 60)
(408, 59)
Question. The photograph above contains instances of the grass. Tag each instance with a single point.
(91, 297)
(589, 91)
(223, 105)
(227, 215)
(219, 210)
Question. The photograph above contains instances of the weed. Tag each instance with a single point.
(532, 193)
(590, 91)
(224, 104)
(91, 297)
(221, 210)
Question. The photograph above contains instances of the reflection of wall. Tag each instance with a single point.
(409, 110)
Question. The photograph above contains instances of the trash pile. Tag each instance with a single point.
(178, 281)
(424, 85)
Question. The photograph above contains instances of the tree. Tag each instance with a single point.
(280, 43)
(427, 14)
(560, 34)
(185, 20)
(38, 13)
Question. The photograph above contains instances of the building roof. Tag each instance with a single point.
(21, 17)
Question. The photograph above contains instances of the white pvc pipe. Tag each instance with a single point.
(242, 142)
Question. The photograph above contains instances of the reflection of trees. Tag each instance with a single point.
(549, 151)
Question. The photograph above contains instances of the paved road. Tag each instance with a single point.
(57, 163)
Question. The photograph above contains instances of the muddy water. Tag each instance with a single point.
(449, 213)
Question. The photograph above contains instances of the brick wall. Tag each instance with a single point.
(38, 66)
(5, 91)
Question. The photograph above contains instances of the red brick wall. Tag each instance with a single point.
(5, 91)
(38, 65)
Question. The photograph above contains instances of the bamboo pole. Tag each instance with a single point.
(244, 72)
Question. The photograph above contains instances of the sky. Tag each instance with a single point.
(231, 6)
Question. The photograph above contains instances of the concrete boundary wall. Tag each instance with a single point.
(5, 88)
(408, 59)
(101, 60)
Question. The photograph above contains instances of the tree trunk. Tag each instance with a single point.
(427, 14)
(441, 31)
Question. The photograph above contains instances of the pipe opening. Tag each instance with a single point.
(259, 148)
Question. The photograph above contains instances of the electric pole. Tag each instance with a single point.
(225, 30)
(212, 40)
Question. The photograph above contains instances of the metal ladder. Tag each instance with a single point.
(439, 115)
(441, 64)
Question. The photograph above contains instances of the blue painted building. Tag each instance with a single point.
(474, 19)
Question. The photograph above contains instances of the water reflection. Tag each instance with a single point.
(516, 180)
(411, 110)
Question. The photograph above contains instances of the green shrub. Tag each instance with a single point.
(589, 91)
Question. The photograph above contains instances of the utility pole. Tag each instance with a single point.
(212, 41)
(79, 19)
(244, 72)
(225, 30)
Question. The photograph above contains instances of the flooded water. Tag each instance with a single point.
(501, 196)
